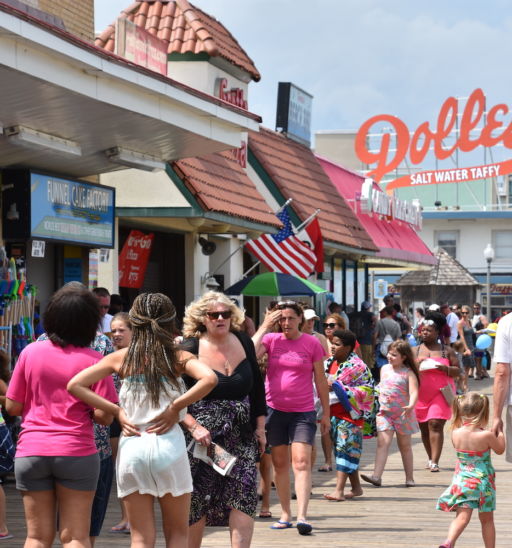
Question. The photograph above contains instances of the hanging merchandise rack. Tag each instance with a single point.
(17, 307)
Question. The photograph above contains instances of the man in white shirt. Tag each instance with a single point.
(502, 392)
(103, 297)
(451, 319)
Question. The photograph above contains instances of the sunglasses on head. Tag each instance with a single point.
(429, 322)
(284, 304)
(330, 325)
(224, 314)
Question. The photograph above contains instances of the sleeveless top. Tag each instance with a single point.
(468, 336)
(136, 401)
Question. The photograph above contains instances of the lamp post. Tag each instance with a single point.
(489, 257)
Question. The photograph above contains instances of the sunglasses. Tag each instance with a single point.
(224, 314)
(284, 304)
(465, 312)
(429, 322)
(330, 325)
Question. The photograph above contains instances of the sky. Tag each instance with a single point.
(360, 58)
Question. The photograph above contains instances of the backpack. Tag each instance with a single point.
(383, 348)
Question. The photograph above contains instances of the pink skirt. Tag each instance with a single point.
(431, 402)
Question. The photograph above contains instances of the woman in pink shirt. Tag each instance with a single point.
(294, 360)
(57, 463)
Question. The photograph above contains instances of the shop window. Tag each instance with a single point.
(448, 240)
(502, 243)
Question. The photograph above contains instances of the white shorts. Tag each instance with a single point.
(154, 465)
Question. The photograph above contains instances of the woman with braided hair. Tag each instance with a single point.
(152, 460)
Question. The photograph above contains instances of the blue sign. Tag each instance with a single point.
(71, 211)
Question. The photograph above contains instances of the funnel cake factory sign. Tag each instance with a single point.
(477, 128)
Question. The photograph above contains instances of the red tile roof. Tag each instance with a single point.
(220, 184)
(187, 29)
(298, 175)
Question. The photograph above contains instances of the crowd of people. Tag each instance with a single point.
(130, 388)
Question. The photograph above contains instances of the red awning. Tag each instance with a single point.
(395, 239)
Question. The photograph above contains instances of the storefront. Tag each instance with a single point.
(392, 225)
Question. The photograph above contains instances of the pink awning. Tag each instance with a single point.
(395, 239)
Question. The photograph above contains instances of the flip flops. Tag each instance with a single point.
(325, 468)
(304, 528)
(121, 528)
(5, 536)
(265, 514)
(281, 524)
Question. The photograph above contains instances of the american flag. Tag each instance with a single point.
(284, 252)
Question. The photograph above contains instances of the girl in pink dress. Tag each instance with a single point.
(398, 393)
(439, 367)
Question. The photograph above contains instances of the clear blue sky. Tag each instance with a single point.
(365, 57)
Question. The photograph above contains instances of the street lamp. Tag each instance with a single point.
(489, 257)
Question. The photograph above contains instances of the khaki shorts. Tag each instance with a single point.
(508, 434)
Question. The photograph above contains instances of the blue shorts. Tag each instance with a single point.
(100, 502)
(285, 427)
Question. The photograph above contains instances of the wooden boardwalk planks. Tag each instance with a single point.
(392, 515)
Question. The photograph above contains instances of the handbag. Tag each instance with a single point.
(448, 393)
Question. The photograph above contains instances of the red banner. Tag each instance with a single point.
(133, 259)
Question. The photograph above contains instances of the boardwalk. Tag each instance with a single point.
(390, 516)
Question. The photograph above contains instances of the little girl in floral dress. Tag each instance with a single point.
(398, 393)
(472, 484)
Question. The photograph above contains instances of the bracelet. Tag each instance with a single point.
(192, 430)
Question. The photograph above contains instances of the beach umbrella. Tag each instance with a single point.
(274, 284)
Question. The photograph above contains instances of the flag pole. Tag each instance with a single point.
(308, 220)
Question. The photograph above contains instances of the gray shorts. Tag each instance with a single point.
(42, 473)
(285, 427)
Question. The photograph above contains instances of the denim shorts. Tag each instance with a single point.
(100, 502)
(285, 427)
(42, 473)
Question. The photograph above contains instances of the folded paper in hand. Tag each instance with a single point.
(427, 364)
(214, 455)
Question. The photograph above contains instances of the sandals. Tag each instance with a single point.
(281, 524)
(325, 468)
(446, 544)
(410, 483)
(434, 467)
(304, 528)
(265, 514)
(370, 479)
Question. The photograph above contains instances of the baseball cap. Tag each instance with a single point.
(366, 305)
(434, 307)
(310, 314)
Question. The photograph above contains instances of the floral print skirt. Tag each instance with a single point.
(214, 496)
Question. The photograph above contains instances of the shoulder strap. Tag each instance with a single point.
(443, 352)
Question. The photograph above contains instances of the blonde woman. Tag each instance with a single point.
(232, 415)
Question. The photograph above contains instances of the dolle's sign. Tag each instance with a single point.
(373, 200)
(417, 144)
